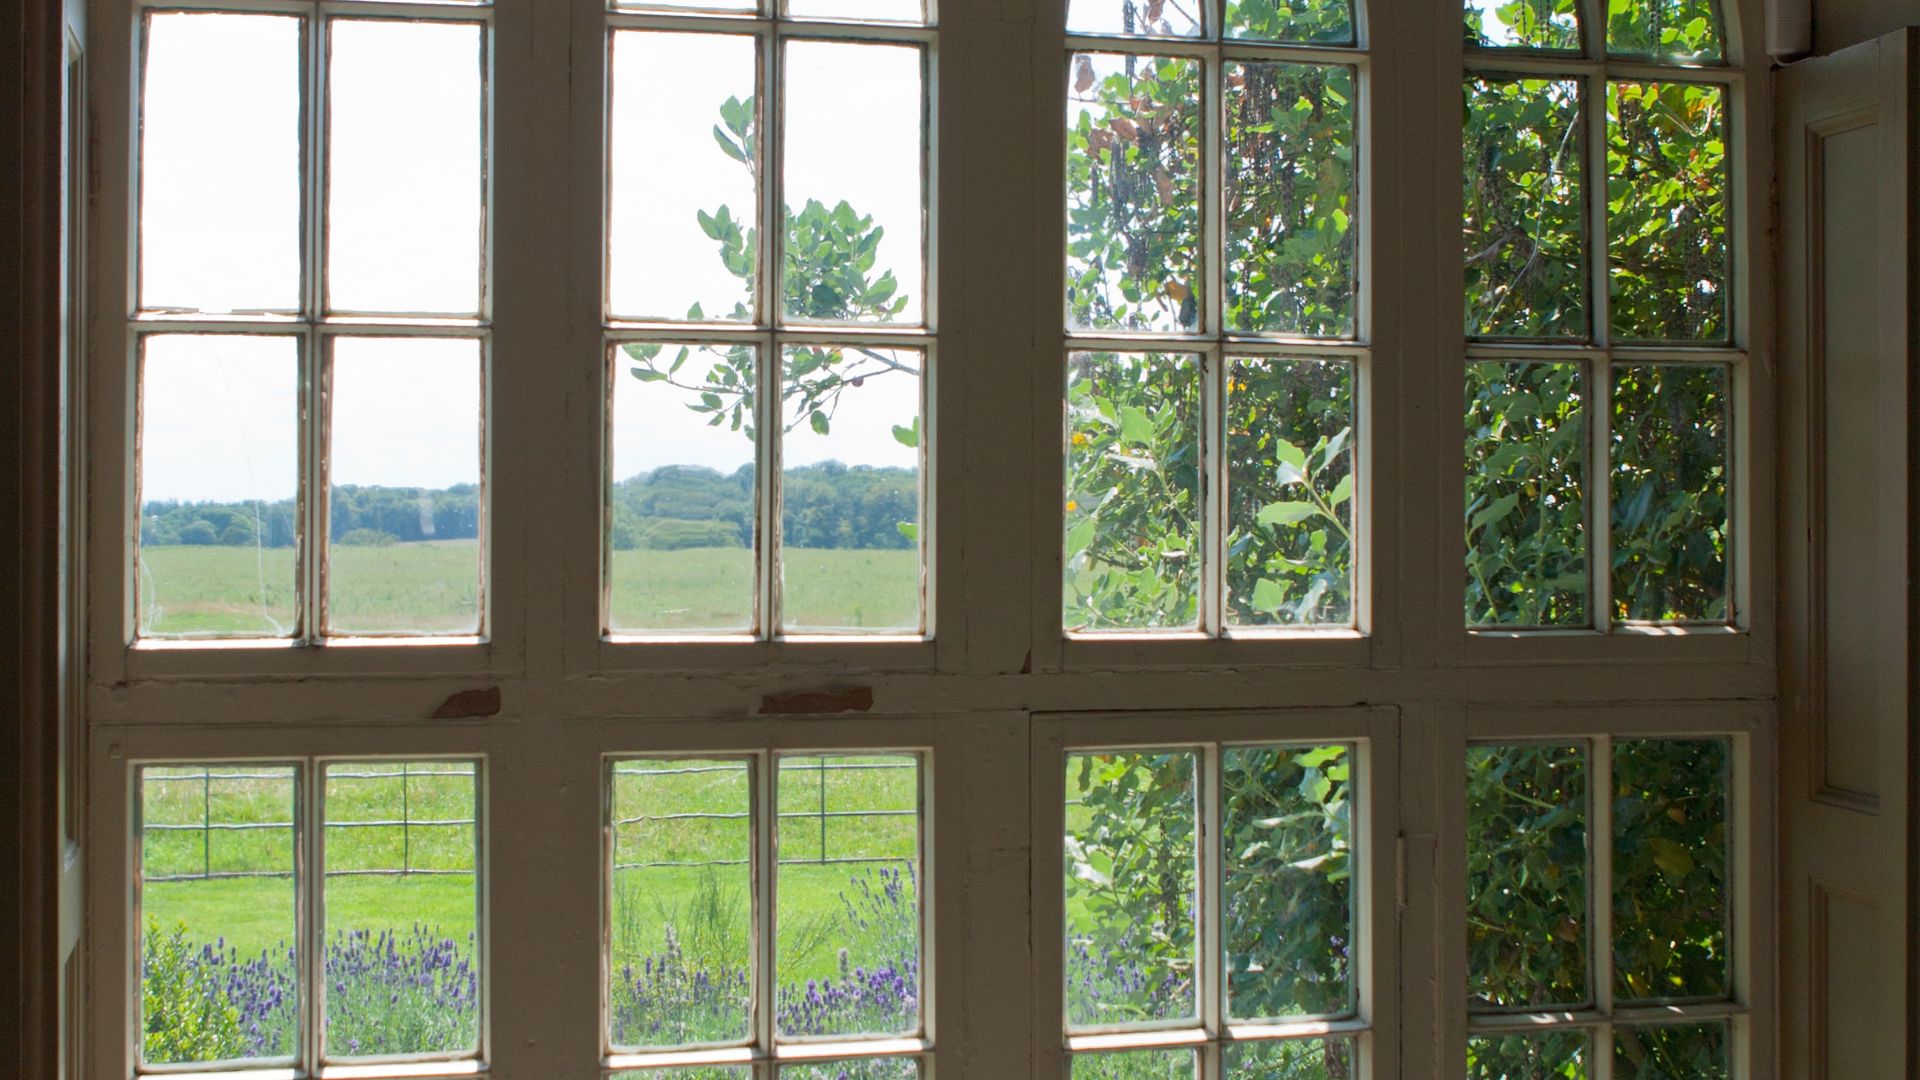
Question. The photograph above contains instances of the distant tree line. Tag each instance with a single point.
(829, 505)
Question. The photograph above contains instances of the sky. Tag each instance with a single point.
(220, 233)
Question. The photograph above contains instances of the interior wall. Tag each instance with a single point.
(1840, 23)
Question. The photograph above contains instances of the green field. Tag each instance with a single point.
(430, 587)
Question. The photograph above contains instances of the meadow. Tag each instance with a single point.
(431, 586)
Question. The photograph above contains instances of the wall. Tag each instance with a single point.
(1839, 23)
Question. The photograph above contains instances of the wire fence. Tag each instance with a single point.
(790, 836)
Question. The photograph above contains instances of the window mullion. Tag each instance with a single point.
(1600, 492)
(1209, 967)
(764, 821)
(1600, 907)
(309, 864)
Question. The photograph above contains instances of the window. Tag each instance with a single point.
(678, 490)
(1214, 313)
(717, 957)
(765, 398)
(1599, 310)
(310, 323)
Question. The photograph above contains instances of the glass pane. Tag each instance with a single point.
(1664, 29)
(1288, 863)
(1667, 211)
(1301, 22)
(1132, 882)
(848, 923)
(220, 163)
(1291, 1059)
(723, 6)
(1135, 1065)
(1133, 196)
(405, 507)
(1525, 231)
(1548, 1055)
(895, 11)
(403, 955)
(1669, 461)
(850, 490)
(1289, 492)
(1292, 199)
(683, 149)
(681, 505)
(1161, 18)
(1671, 1051)
(1133, 491)
(856, 218)
(216, 922)
(681, 913)
(698, 1072)
(1527, 876)
(404, 188)
(853, 1069)
(1670, 903)
(219, 476)
(1526, 503)
(1524, 24)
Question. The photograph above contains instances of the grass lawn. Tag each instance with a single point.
(430, 587)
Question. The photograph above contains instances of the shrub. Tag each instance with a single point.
(199, 533)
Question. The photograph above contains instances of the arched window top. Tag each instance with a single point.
(1280, 22)
(1662, 31)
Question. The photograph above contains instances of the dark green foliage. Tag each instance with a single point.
(1546, 1055)
(1291, 199)
(1664, 29)
(1671, 1052)
(1290, 492)
(1135, 1065)
(1526, 495)
(828, 505)
(1552, 25)
(1298, 22)
(1133, 491)
(1525, 230)
(1291, 1059)
(1670, 499)
(1667, 201)
(1670, 902)
(1527, 876)
(237, 523)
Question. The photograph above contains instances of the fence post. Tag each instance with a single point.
(823, 808)
(406, 825)
(206, 823)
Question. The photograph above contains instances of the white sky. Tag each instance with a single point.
(220, 233)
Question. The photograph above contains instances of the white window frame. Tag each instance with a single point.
(544, 697)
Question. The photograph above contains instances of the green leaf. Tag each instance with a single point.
(1285, 513)
(907, 436)
(1079, 537)
(1498, 509)
(1292, 461)
(818, 420)
(727, 145)
(1671, 858)
(1268, 595)
(1135, 425)
(909, 530)
(649, 375)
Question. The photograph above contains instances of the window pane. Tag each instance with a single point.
(1664, 29)
(216, 919)
(898, 11)
(1670, 493)
(681, 913)
(848, 917)
(1290, 492)
(403, 956)
(1305, 22)
(684, 5)
(1133, 491)
(1527, 876)
(853, 1069)
(1670, 902)
(681, 505)
(404, 211)
(1525, 230)
(1287, 827)
(1549, 1055)
(1291, 1059)
(1667, 211)
(1132, 882)
(1163, 18)
(220, 163)
(219, 459)
(1666, 1052)
(1526, 24)
(1526, 495)
(698, 1072)
(850, 490)
(1292, 199)
(682, 201)
(1133, 196)
(405, 504)
(1135, 1065)
(852, 169)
